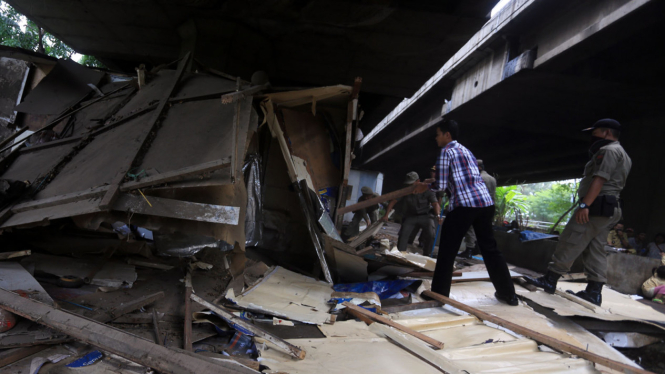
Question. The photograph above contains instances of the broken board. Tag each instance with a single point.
(283, 293)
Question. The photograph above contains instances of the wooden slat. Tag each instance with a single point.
(541, 338)
(9, 356)
(287, 347)
(170, 208)
(155, 326)
(431, 341)
(412, 306)
(60, 199)
(187, 345)
(176, 175)
(116, 341)
(8, 255)
(369, 232)
(104, 316)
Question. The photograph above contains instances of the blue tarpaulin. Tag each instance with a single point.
(532, 235)
(384, 289)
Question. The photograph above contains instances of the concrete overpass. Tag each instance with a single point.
(527, 82)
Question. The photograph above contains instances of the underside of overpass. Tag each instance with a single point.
(394, 45)
(527, 126)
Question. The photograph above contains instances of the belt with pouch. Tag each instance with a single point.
(604, 206)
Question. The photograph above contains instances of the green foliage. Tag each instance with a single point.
(549, 204)
(91, 61)
(12, 35)
(510, 201)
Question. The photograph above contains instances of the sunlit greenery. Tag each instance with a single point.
(545, 202)
(28, 37)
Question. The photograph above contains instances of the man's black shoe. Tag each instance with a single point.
(508, 300)
(592, 294)
(546, 282)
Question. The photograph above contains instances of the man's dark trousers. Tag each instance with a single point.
(457, 223)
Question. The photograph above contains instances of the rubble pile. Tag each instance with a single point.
(186, 221)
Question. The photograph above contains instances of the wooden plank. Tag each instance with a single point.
(365, 250)
(431, 341)
(151, 265)
(170, 208)
(368, 233)
(8, 255)
(176, 175)
(131, 347)
(155, 325)
(112, 194)
(360, 316)
(104, 316)
(287, 347)
(541, 338)
(576, 300)
(413, 306)
(428, 274)
(347, 143)
(6, 214)
(188, 312)
(381, 199)
(246, 93)
(525, 284)
(9, 356)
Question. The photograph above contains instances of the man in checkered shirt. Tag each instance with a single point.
(470, 205)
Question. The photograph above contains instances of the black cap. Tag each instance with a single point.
(606, 123)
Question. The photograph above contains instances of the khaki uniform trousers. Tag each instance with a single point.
(587, 240)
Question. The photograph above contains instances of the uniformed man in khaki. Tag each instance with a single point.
(370, 214)
(415, 211)
(599, 210)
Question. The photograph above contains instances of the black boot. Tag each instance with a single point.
(466, 253)
(593, 293)
(510, 300)
(546, 282)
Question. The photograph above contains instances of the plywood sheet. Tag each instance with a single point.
(347, 355)
(289, 295)
(32, 165)
(480, 295)
(615, 306)
(14, 277)
(311, 141)
(100, 161)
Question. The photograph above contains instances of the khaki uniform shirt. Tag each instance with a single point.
(490, 182)
(614, 240)
(611, 163)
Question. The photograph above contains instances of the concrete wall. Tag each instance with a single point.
(625, 272)
(533, 255)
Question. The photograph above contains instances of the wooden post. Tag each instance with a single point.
(155, 325)
(431, 341)
(541, 338)
(188, 312)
